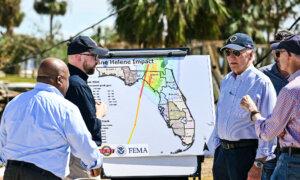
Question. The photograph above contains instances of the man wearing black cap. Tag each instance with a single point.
(235, 142)
(279, 78)
(284, 122)
(83, 56)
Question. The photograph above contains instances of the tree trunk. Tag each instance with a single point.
(9, 30)
(51, 26)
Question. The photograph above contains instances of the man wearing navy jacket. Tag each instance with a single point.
(83, 56)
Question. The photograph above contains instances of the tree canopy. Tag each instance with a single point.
(10, 15)
(51, 8)
(162, 23)
(165, 23)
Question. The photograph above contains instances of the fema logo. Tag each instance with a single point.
(121, 151)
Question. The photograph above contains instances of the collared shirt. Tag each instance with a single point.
(232, 121)
(81, 95)
(40, 127)
(278, 80)
(285, 117)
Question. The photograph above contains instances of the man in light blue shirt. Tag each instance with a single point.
(40, 127)
(235, 141)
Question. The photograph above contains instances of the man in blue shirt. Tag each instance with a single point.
(279, 78)
(235, 142)
(83, 55)
(40, 127)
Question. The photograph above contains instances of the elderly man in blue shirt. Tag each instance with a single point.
(235, 142)
(40, 127)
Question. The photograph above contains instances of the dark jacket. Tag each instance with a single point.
(81, 95)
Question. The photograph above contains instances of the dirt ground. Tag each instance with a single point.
(206, 172)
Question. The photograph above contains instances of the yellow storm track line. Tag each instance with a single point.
(138, 106)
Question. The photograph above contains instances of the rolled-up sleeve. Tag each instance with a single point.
(273, 125)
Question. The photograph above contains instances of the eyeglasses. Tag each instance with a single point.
(277, 53)
(228, 52)
(94, 55)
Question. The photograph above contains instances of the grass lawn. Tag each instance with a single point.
(16, 78)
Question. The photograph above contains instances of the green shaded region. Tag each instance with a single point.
(164, 63)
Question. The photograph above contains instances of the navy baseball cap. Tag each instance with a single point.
(280, 36)
(82, 44)
(290, 44)
(239, 41)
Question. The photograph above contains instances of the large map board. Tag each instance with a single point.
(159, 108)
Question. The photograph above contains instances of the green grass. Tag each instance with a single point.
(17, 78)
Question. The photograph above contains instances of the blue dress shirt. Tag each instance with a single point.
(232, 121)
(41, 127)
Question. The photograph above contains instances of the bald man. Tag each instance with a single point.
(40, 127)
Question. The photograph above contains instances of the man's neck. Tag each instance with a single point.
(295, 66)
(283, 73)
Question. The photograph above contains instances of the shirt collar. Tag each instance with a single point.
(47, 87)
(243, 74)
(294, 75)
(76, 71)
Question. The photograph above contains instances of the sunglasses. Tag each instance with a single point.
(94, 55)
(277, 53)
(228, 52)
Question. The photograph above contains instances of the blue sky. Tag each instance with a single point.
(80, 14)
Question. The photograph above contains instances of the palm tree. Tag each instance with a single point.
(52, 8)
(10, 15)
(160, 23)
(257, 17)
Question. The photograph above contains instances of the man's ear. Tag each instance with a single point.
(251, 54)
(59, 80)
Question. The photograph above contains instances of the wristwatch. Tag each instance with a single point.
(258, 164)
(253, 113)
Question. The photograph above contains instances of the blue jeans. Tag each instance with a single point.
(233, 164)
(268, 169)
(287, 168)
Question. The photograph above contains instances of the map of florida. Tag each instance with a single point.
(172, 103)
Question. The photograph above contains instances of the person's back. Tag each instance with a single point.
(39, 117)
(40, 128)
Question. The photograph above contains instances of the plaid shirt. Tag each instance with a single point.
(285, 119)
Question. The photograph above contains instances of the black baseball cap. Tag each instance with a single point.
(239, 41)
(82, 44)
(290, 44)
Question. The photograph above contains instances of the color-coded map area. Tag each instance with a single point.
(156, 106)
(172, 103)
